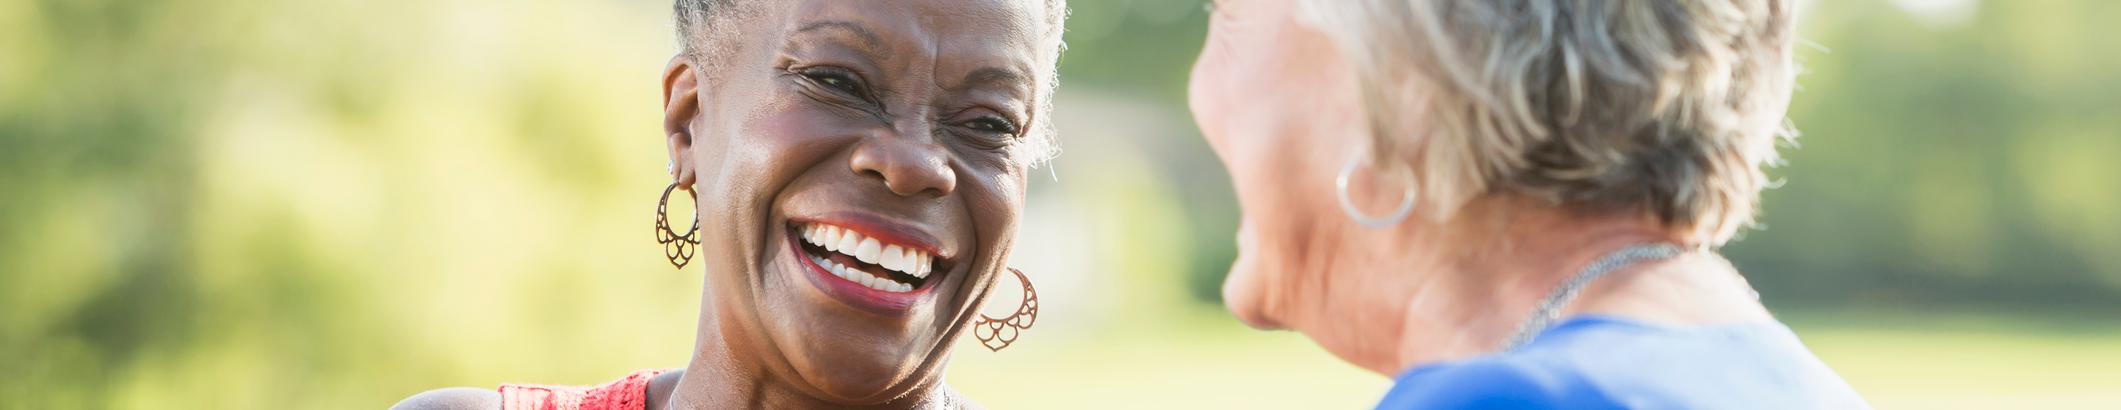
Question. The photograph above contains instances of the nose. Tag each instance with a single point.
(908, 166)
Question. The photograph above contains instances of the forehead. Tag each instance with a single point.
(994, 16)
(979, 29)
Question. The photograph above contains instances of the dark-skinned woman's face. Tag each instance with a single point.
(859, 169)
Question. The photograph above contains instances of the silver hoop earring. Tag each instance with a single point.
(1347, 205)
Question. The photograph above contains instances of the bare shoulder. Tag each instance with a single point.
(452, 398)
(660, 387)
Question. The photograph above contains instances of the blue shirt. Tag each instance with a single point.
(1604, 362)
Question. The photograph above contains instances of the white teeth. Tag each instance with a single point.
(847, 241)
(911, 264)
(868, 251)
(858, 276)
(871, 251)
(894, 258)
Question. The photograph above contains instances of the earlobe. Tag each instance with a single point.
(681, 160)
(681, 107)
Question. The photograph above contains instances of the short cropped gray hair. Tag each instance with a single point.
(1670, 107)
(694, 17)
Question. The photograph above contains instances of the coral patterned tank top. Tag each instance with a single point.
(630, 393)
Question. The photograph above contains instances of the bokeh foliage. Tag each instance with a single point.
(256, 203)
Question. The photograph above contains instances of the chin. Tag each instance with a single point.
(857, 328)
(862, 383)
(1245, 286)
(1244, 296)
(851, 367)
(856, 369)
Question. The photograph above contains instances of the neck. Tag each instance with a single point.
(1494, 270)
(722, 375)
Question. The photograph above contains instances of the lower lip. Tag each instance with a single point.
(854, 294)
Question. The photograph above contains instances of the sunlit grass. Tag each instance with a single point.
(1939, 360)
(1205, 362)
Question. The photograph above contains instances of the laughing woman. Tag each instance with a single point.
(858, 169)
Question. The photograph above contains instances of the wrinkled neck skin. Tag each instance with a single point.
(721, 376)
(1425, 291)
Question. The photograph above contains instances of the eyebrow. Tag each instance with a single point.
(996, 76)
(869, 38)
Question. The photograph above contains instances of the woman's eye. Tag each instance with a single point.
(992, 124)
(841, 84)
(838, 81)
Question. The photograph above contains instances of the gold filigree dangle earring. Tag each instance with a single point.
(997, 333)
(678, 248)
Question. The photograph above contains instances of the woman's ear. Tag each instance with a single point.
(681, 108)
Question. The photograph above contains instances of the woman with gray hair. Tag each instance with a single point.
(1511, 203)
(856, 172)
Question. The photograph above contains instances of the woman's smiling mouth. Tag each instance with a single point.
(871, 269)
(862, 259)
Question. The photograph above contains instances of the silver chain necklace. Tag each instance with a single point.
(1550, 307)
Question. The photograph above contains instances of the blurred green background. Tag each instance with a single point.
(337, 203)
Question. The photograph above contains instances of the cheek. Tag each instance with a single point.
(1217, 91)
(760, 156)
(1203, 87)
(1271, 107)
(746, 167)
(1227, 112)
(997, 205)
(1252, 133)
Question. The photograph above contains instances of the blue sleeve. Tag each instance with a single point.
(1488, 384)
